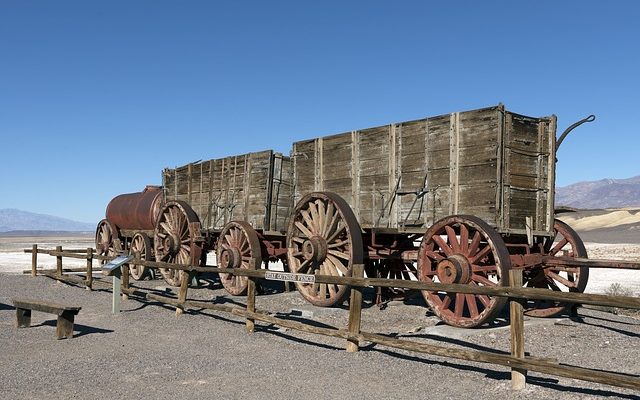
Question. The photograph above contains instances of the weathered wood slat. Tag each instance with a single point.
(461, 163)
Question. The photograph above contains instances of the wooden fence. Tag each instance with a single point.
(517, 360)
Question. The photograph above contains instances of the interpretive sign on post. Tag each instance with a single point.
(114, 268)
(289, 277)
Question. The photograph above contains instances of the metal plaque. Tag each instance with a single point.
(290, 277)
(114, 265)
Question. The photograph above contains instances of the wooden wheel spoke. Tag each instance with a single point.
(475, 244)
(459, 307)
(335, 219)
(307, 218)
(335, 234)
(314, 217)
(304, 267)
(322, 292)
(472, 304)
(434, 256)
(330, 215)
(485, 300)
(464, 239)
(453, 240)
(561, 279)
(484, 268)
(558, 246)
(553, 285)
(338, 265)
(337, 244)
(339, 254)
(321, 215)
(166, 227)
(481, 254)
(303, 229)
(443, 245)
(481, 279)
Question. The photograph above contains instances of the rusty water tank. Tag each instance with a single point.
(138, 211)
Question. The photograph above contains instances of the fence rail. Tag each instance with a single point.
(517, 361)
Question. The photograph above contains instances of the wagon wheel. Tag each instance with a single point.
(237, 245)
(393, 269)
(175, 236)
(324, 238)
(566, 279)
(107, 241)
(140, 243)
(465, 250)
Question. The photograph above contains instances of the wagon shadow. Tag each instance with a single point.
(82, 330)
(549, 383)
(584, 321)
(4, 307)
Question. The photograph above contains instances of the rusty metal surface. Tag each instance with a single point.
(138, 211)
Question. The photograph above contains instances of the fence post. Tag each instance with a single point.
(355, 309)
(516, 310)
(34, 260)
(59, 261)
(185, 277)
(89, 283)
(250, 323)
(125, 280)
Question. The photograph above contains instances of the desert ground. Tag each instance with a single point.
(147, 352)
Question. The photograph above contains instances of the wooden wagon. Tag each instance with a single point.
(456, 198)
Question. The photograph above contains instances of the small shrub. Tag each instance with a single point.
(616, 289)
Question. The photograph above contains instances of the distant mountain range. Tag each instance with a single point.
(18, 220)
(605, 193)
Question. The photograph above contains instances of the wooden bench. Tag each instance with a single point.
(66, 314)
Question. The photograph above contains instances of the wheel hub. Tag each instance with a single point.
(171, 244)
(315, 249)
(454, 269)
(230, 258)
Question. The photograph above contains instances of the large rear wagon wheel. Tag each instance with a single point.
(140, 243)
(566, 243)
(465, 250)
(175, 236)
(324, 238)
(237, 245)
(107, 241)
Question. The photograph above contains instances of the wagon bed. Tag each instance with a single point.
(490, 163)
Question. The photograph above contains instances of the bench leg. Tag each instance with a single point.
(23, 317)
(64, 327)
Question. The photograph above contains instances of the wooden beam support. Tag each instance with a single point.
(518, 375)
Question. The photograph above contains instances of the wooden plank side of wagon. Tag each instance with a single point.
(411, 164)
(280, 195)
(439, 167)
(477, 164)
(376, 176)
(529, 173)
(226, 189)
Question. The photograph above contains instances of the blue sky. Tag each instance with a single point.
(97, 97)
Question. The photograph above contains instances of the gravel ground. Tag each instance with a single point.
(147, 352)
